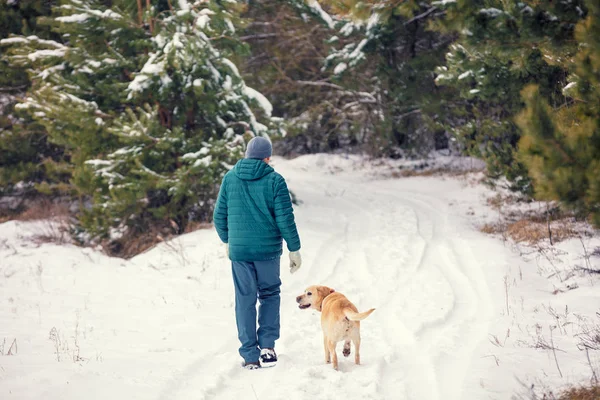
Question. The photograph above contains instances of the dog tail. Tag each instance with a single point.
(355, 316)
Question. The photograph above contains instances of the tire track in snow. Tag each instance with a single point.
(455, 331)
(439, 254)
(400, 242)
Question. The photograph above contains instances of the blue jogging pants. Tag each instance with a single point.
(252, 280)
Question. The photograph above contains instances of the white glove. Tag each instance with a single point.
(295, 261)
(227, 250)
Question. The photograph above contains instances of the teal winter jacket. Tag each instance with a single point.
(254, 212)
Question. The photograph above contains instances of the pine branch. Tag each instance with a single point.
(13, 89)
(321, 83)
(417, 111)
(420, 16)
(258, 36)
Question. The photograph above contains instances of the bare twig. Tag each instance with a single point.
(554, 352)
(594, 376)
(506, 293)
(258, 36)
(320, 83)
(586, 256)
(13, 89)
(495, 359)
(14, 344)
(417, 111)
(55, 337)
(420, 16)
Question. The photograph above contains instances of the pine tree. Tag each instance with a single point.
(561, 147)
(395, 43)
(27, 160)
(503, 47)
(289, 42)
(148, 104)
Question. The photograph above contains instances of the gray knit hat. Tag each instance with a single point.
(259, 147)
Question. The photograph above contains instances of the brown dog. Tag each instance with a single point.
(340, 320)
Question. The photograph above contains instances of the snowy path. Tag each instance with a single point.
(384, 248)
(161, 326)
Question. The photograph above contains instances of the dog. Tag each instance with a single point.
(340, 320)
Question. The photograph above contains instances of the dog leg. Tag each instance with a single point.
(346, 351)
(326, 346)
(333, 354)
(356, 341)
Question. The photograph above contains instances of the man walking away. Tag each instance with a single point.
(252, 215)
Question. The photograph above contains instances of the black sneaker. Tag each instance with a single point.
(268, 358)
(251, 365)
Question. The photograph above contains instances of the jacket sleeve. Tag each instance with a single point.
(220, 214)
(284, 215)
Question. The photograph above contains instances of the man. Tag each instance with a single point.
(252, 215)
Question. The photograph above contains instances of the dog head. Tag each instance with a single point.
(313, 297)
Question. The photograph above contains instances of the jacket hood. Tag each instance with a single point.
(251, 169)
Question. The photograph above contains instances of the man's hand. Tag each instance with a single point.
(295, 261)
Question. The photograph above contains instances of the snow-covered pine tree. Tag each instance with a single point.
(501, 48)
(149, 104)
(27, 159)
(395, 49)
(289, 42)
(561, 147)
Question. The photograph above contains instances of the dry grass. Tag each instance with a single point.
(492, 229)
(44, 209)
(195, 226)
(533, 232)
(134, 243)
(530, 226)
(56, 221)
(499, 201)
(440, 171)
(35, 209)
(582, 393)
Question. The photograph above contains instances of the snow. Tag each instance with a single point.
(465, 75)
(97, 163)
(262, 101)
(13, 40)
(183, 4)
(190, 156)
(491, 12)
(317, 9)
(569, 86)
(341, 67)
(46, 53)
(150, 68)
(230, 25)
(75, 18)
(203, 161)
(231, 66)
(202, 21)
(458, 313)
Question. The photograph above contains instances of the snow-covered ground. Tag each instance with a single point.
(459, 315)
